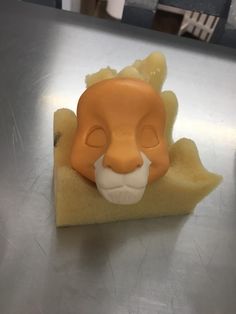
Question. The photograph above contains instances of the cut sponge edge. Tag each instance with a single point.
(78, 202)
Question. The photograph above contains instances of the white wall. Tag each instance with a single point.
(71, 5)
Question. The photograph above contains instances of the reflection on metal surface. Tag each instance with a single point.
(220, 132)
(67, 101)
(172, 265)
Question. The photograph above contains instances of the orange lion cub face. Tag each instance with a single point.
(119, 140)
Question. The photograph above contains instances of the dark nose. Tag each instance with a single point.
(123, 157)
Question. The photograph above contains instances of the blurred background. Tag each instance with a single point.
(205, 20)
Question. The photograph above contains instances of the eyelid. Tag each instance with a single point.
(96, 137)
(149, 137)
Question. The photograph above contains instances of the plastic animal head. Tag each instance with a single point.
(119, 142)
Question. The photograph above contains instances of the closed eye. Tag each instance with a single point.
(96, 138)
(148, 138)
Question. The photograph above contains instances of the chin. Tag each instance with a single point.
(121, 188)
(123, 195)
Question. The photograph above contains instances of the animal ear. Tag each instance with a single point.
(171, 106)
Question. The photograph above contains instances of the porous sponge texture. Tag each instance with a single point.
(186, 183)
(78, 202)
(152, 70)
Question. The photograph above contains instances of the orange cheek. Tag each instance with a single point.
(80, 160)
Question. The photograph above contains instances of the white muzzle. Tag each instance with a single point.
(120, 188)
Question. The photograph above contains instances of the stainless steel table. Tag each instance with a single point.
(171, 265)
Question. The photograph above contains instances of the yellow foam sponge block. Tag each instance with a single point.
(78, 202)
(186, 183)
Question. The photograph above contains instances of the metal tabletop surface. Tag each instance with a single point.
(170, 265)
